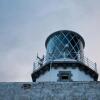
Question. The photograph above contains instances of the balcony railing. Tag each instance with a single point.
(78, 58)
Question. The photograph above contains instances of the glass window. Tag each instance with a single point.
(64, 41)
(64, 44)
(64, 76)
(61, 47)
(61, 36)
(72, 42)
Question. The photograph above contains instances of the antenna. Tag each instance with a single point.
(40, 60)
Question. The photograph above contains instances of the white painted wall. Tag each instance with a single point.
(77, 75)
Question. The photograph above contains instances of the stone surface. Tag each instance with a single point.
(50, 91)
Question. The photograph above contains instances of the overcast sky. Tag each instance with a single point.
(25, 25)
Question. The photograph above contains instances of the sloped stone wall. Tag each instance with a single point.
(50, 91)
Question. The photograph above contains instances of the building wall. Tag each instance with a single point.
(50, 91)
(77, 75)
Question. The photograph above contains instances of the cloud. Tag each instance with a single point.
(24, 26)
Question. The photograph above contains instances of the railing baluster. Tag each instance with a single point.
(79, 58)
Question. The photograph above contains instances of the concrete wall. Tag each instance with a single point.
(50, 91)
(77, 75)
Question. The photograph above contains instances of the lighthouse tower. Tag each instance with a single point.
(64, 60)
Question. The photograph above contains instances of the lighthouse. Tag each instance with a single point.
(64, 60)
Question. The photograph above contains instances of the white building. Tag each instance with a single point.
(64, 60)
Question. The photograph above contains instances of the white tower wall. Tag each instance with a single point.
(77, 75)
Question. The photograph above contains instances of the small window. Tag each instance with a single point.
(26, 86)
(64, 76)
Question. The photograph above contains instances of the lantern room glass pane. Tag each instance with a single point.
(64, 45)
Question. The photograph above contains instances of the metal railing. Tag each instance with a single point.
(88, 63)
(77, 58)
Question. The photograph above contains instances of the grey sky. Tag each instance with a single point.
(25, 24)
